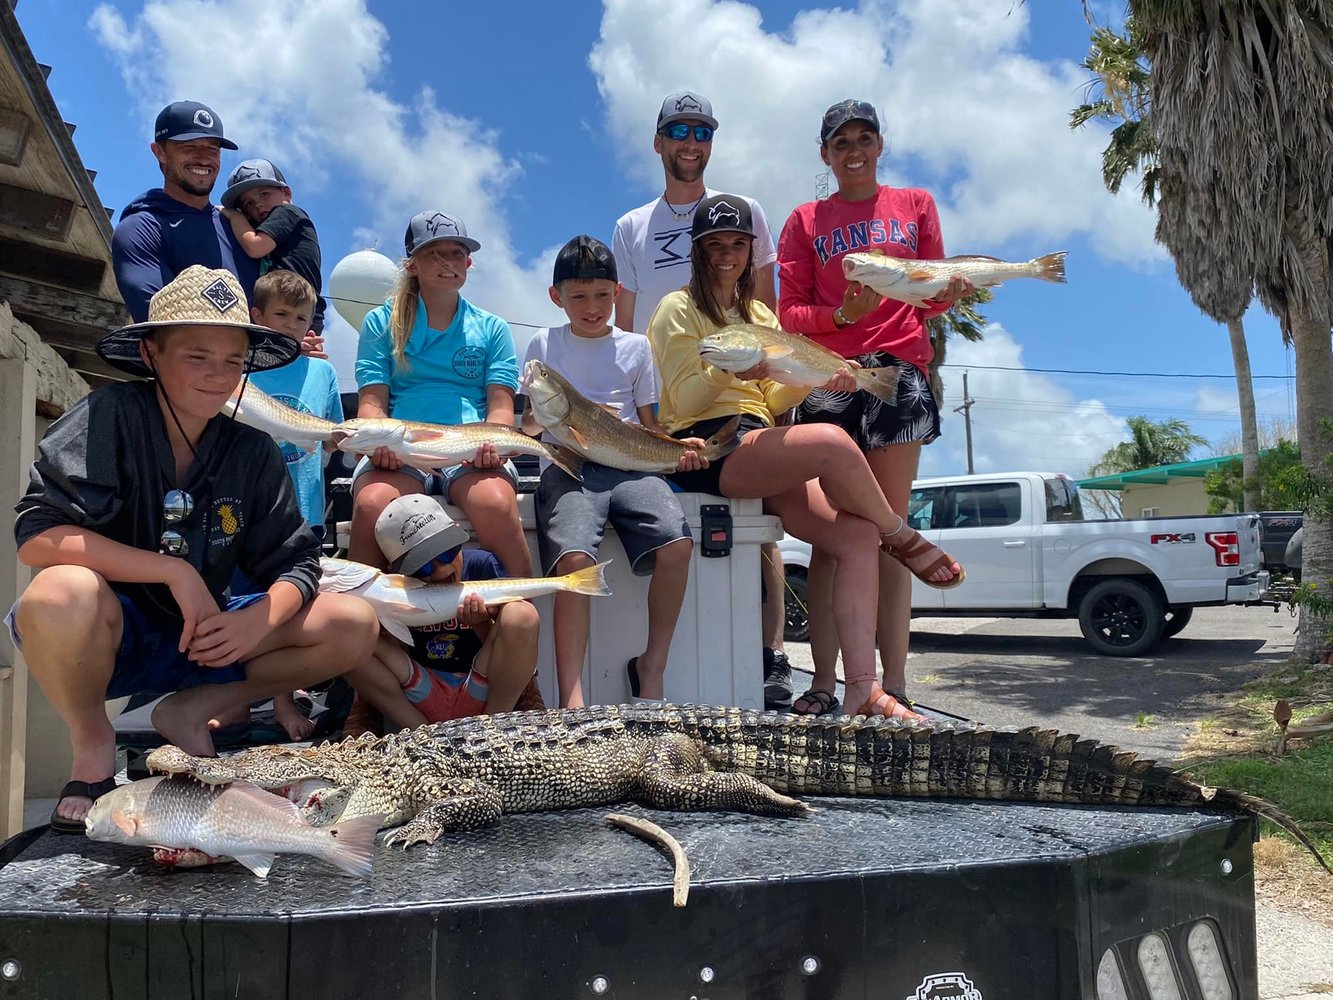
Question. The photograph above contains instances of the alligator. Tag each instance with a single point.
(466, 773)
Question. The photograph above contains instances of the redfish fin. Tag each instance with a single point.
(882, 383)
(1051, 267)
(397, 629)
(567, 459)
(774, 352)
(590, 581)
(353, 845)
(724, 441)
(260, 864)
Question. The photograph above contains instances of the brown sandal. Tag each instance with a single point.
(882, 703)
(917, 548)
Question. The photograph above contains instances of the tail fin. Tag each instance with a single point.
(353, 844)
(568, 459)
(725, 441)
(882, 383)
(1051, 267)
(590, 580)
(1270, 812)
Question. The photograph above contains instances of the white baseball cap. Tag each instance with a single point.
(414, 529)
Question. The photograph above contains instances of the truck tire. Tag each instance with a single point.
(797, 606)
(1176, 620)
(1121, 617)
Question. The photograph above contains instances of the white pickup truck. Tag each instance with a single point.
(1028, 552)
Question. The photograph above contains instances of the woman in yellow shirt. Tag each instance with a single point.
(813, 476)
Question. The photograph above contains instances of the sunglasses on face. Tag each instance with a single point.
(858, 109)
(177, 506)
(679, 132)
(443, 559)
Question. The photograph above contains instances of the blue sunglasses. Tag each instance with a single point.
(679, 132)
(443, 559)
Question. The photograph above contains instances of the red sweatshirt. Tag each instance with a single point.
(900, 221)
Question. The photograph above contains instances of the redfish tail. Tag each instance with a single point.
(725, 441)
(353, 844)
(590, 580)
(882, 383)
(1051, 267)
(567, 459)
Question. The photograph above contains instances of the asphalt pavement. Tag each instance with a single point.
(1013, 672)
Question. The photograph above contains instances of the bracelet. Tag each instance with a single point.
(840, 317)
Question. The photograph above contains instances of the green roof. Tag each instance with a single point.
(1158, 475)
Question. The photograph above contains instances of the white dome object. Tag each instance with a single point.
(360, 282)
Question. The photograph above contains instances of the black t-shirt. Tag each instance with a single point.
(296, 249)
(451, 647)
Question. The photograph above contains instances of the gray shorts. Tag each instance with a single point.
(572, 516)
(437, 484)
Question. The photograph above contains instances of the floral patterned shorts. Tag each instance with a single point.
(869, 421)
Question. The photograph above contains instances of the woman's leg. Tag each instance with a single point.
(371, 493)
(895, 467)
(491, 505)
(823, 629)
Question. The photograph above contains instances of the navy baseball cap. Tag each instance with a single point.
(584, 257)
(186, 120)
(722, 213)
(686, 105)
(249, 175)
(433, 227)
(847, 111)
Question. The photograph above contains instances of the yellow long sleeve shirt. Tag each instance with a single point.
(690, 389)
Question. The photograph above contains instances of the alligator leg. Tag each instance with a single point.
(678, 777)
(464, 804)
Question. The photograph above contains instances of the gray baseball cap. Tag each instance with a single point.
(686, 105)
(248, 175)
(433, 227)
(414, 529)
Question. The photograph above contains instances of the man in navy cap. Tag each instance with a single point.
(166, 229)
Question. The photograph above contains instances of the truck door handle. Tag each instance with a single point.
(1015, 543)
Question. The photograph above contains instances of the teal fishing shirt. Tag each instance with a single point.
(447, 371)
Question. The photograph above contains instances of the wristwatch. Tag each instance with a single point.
(840, 317)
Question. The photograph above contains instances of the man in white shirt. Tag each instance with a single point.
(652, 251)
(652, 243)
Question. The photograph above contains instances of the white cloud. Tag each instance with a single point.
(967, 114)
(1217, 400)
(1021, 420)
(268, 67)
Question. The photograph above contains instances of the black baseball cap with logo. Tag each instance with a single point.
(847, 111)
(722, 213)
(584, 257)
(186, 120)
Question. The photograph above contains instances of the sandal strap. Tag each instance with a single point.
(94, 790)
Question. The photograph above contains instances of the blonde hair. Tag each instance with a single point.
(286, 287)
(701, 286)
(403, 313)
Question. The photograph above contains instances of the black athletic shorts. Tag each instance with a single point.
(869, 421)
(707, 480)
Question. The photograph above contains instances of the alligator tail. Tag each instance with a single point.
(1261, 807)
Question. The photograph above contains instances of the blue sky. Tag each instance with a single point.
(533, 122)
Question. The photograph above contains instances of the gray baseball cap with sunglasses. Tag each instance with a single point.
(686, 106)
(414, 529)
(847, 111)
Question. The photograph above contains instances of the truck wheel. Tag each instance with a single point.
(1120, 617)
(797, 628)
(1176, 620)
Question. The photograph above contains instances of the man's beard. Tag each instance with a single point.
(191, 186)
(685, 174)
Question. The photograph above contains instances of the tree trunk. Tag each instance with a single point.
(1314, 430)
(1249, 425)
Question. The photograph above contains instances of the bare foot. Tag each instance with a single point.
(288, 716)
(183, 718)
(238, 716)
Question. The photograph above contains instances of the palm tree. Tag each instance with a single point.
(1241, 115)
(962, 320)
(1122, 76)
(1151, 443)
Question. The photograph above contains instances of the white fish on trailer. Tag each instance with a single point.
(915, 281)
(404, 601)
(237, 820)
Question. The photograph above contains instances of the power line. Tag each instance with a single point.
(1079, 371)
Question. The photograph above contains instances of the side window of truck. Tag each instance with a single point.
(982, 505)
(921, 508)
(1063, 502)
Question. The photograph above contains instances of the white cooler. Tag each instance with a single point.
(716, 654)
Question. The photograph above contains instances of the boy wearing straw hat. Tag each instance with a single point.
(143, 502)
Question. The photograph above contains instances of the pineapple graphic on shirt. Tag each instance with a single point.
(228, 518)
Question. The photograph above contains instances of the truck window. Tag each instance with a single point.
(921, 508)
(1063, 502)
(983, 505)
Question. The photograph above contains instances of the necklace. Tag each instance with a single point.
(689, 212)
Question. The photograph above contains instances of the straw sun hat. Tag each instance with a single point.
(199, 297)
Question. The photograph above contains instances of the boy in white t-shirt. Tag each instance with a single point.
(612, 367)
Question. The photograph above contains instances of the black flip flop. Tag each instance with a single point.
(83, 790)
(632, 669)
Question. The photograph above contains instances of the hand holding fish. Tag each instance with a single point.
(472, 611)
(692, 460)
(843, 380)
(192, 597)
(858, 302)
(959, 286)
(486, 458)
(758, 373)
(384, 458)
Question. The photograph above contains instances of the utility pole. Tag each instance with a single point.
(966, 411)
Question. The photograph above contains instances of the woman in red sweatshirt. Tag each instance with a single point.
(861, 325)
